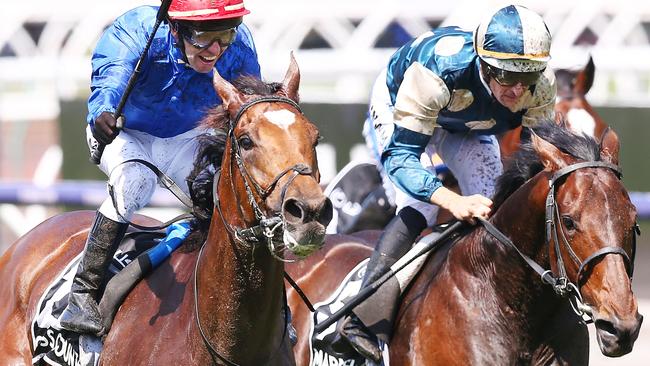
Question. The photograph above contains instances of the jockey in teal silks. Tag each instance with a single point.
(170, 97)
(449, 91)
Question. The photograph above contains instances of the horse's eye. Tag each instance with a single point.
(245, 143)
(568, 223)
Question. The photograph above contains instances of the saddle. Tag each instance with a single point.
(359, 199)
(362, 201)
(138, 254)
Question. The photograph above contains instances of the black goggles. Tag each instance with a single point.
(511, 78)
(205, 38)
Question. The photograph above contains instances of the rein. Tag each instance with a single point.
(562, 286)
(266, 229)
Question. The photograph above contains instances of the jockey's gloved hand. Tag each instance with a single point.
(105, 129)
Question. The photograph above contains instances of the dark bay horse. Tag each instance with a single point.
(571, 107)
(476, 301)
(221, 304)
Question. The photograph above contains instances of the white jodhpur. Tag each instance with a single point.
(134, 183)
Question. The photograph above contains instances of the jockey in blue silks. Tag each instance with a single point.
(449, 91)
(171, 95)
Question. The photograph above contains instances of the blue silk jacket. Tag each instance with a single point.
(169, 97)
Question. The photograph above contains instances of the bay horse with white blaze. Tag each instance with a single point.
(477, 302)
(224, 303)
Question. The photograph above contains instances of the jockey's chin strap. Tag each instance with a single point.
(562, 286)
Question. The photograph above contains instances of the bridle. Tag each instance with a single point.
(267, 229)
(561, 284)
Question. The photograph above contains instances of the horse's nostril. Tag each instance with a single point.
(292, 210)
(606, 326)
(326, 212)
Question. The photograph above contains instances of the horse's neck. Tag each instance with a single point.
(521, 218)
(240, 287)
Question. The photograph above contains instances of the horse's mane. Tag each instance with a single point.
(211, 147)
(525, 163)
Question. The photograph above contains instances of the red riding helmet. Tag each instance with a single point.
(206, 10)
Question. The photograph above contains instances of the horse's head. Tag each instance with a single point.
(572, 83)
(271, 158)
(591, 223)
(572, 105)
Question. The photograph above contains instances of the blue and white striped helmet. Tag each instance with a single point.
(515, 39)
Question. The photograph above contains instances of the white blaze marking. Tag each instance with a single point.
(581, 121)
(282, 118)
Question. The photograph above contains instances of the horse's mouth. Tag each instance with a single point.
(305, 239)
(616, 337)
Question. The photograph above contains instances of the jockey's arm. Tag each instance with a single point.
(421, 95)
(113, 62)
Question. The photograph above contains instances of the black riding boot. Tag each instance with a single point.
(396, 241)
(82, 314)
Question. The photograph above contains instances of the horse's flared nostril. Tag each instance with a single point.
(616, 336)
(326, 212)
(293, 211)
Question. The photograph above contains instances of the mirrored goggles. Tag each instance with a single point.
(203, 39)
(510, 78)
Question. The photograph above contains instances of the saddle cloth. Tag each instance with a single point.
(55, 346)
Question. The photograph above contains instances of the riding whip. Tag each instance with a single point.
(96, 155)
(373, 287)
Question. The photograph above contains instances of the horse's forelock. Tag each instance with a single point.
(217, 117)
(525, 163)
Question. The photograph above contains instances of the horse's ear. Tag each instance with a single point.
(291, 80)
(609, 146)
(552, 158)
(585, 78)
(231, 97)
